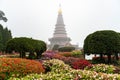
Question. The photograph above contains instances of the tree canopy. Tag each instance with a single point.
(105, 42)
(2, 16)
(24, 44)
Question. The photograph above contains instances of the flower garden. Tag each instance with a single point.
(56, 66)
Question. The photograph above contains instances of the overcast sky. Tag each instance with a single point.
(37, 18)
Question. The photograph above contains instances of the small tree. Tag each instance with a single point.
(102, 42)
(40, 47)
(24, 44)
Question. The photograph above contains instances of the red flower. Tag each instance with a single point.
(80, 64)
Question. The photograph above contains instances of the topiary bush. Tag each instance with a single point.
(24, 44)
(18, 67)
(104, 42)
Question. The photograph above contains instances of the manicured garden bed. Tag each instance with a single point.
(57, 70)
(55, 67)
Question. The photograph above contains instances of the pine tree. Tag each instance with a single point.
(1, 39)
(5, 35)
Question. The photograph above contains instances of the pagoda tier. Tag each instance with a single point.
(60, 26)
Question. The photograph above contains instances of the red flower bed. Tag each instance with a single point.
(19, 67)
(80, 64)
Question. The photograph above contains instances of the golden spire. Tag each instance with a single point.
(60, 10)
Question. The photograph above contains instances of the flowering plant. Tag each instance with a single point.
(66, 54)
(102, 68)
(61, 71)
(18, 67)
(80, 64)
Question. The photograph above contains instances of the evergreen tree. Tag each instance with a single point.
(5, 35)
(1, 41)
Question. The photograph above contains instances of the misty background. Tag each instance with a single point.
(37, 18)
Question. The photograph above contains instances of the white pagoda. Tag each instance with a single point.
(59, 36)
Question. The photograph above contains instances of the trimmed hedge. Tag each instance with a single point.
(66, 49)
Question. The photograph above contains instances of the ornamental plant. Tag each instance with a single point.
(71, 75)
(67, 60)
(24, 44)
(66, 49)
(27, 77)
(80, 64)
(70, 60)
(104, 42)
(56, 65)
(58, 70)
(61, 71)
(102, 68)
(10, 67)
(66, 54)
(76, 52)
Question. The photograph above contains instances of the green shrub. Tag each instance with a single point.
(76, 53)
(66, 49)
